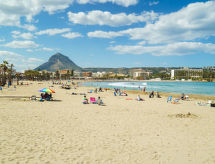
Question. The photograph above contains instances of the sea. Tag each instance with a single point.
(198, 88)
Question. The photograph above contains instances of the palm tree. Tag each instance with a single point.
(4, 67)
(10, 71)
(17, 77)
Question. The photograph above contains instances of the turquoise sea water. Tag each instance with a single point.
(200, 88)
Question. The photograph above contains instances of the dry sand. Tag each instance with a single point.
(124, 131)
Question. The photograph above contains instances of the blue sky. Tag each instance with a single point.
(108, 33)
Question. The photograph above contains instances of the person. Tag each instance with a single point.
(144, 89)
(182, 96)
(42, 97)
(95, 90)
(139, 98)
(151, 95)
(123, 93)
(158, 95)
(46, 95)
(99, 101)
(186, 97)
(85, 100)
(114, 93)
(100, 89)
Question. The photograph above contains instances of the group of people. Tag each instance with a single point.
(98, 100)
(184, 97)
(152, 95)
(119, 92)
(46, 96)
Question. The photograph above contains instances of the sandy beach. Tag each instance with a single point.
(123, 131)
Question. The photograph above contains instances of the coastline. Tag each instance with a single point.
(165, 94)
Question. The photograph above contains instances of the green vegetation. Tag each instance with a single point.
(6, 73)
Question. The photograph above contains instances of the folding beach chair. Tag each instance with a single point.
(176, 101)
(92, 100)
(169, 99)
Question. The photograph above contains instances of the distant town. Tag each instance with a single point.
(207, 74)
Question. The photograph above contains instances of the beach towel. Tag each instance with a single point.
(93, 100)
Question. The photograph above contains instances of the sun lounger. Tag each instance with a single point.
(176, 101)
(169, 99)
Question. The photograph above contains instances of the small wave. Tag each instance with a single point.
(128, 85)
(144, 83)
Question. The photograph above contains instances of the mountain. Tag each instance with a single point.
(58, 62)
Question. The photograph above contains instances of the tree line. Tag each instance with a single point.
(6, 73)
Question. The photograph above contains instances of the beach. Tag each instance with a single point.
(123, 131)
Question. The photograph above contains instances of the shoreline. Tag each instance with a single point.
(165, 94)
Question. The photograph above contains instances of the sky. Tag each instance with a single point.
(108, 33)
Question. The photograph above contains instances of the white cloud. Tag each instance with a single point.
(11, 11)
(7, 54)
(124, 3)
(21, 44)
(29, 27)
(17, 34)
(153, 3)
(29, 50)
(97, 17)
(103, 34)
(173, 49)
(33, 60)
(53, 31)
(47, 49)
(142, 42)
(71, 35)
(20, 62)
(196, 21)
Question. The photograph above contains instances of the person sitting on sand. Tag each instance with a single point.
(182, 96)
(139, 98)
(100, 89)
(85, 100)
(124, 94)
(42, 97)
(158, 95)
(151, 95)
(186, 97)
(99, 101)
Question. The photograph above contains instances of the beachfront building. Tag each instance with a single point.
(140, 74)
(87, 74)
(77, 74)
(172, 74)
(98, 74)
(65, 74)
(188, 73)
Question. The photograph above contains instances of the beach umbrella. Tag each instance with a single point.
(47, 90)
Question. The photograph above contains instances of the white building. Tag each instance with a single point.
(172, 74)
